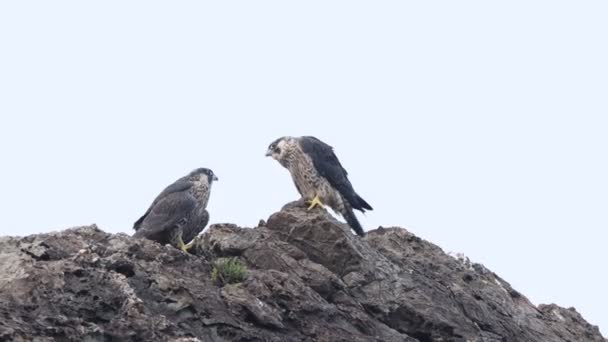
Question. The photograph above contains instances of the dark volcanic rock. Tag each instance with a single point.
(309, 279)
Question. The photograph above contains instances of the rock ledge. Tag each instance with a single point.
(309, 279)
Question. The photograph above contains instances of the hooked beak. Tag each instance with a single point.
(268, 153)
(215, 179)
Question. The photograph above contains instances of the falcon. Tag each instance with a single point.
(179, 213)
(319, 176)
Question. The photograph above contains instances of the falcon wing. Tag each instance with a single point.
(193, 228)
(170, 211)
(178, 186)
(327, 164)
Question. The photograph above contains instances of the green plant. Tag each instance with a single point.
(228, 271)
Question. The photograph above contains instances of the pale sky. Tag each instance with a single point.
(480, 126)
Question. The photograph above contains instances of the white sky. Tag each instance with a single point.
(481, 126)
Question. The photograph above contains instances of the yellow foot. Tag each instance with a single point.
(314, 203)
(184, 247)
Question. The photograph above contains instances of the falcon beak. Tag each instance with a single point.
(268, 153)
(215, 179)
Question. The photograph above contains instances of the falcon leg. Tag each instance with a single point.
(315, 202)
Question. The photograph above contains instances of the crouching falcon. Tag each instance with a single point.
(319, 176)
(179, 213)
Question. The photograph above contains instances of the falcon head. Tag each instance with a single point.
(202, 175)
(279, 148)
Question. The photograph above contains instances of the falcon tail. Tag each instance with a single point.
(139, 234)
(361, 204)
(138, 223)
(351, 219)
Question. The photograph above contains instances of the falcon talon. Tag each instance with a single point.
(315, 202)
(186, 247)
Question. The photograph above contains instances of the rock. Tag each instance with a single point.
(309, 279)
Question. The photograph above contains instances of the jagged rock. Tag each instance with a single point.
(309, 279)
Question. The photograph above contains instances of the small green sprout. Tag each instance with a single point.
(228, 271)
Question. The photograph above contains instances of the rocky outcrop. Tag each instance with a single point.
(309, 279)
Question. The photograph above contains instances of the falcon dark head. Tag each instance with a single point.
(198, 174)
(281, 147)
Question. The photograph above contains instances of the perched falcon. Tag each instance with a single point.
(179, 213)
(319, 176)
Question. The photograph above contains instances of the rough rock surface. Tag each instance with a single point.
(309, 279)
